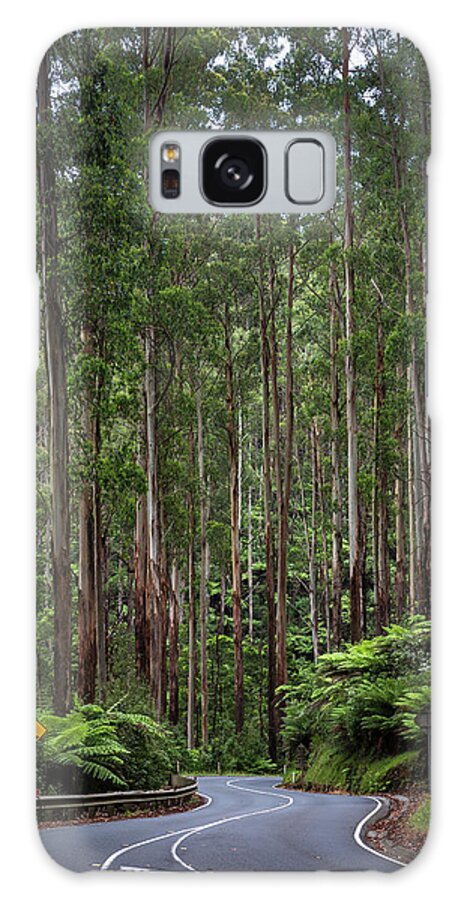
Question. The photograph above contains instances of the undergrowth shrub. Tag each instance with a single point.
(356, 712)
(93, 749)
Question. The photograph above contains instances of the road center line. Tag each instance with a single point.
(237, 818)
(160, 837)
(185, 833)
(238, 787)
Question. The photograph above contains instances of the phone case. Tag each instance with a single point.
(233, 464)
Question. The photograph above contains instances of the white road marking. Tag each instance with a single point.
(175, 855)
(185, 833)
(237, 818)
(132, 869)
(108, 862)
(239, 787)
(359, 828)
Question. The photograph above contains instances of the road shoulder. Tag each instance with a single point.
(399, 828)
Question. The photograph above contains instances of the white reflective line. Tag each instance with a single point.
(359, 828)
(186, 833)
(239, 787)
(108, 862)
(132, 869)
(175, 855)
(237, 818)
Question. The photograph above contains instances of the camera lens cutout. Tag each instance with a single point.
(233, 171)
(170, 184)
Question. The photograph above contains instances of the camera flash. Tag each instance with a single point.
(170, 153)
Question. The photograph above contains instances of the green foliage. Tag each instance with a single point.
(357, 711)
(152, 751)
(389, 773)
(247, 753)
(125, 274)
(331, 769)
(420, 819)
(83, 743)
(93, 749)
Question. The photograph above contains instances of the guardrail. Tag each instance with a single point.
(63, 805)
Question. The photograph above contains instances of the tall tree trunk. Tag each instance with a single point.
(99, 552)
(375, 515)
(153, 562)
(419, 423)
(164, 599)
(130, 592)
(419, 437)
(93, 552)
(140, 566)
(350, 368)
(58, 405)
(260, 689)
(419, 518)
(203, 571)
(87, 628)
(362, 566)
(325, 555)
(240, 460)
(308, 546)
(400, 530)
(313, 606)
(191, 693)
(267, 504)
(286, 489)
(380, 522)
(234, 526)
(161, 57)
(411, 520)
(250, 565)
(400, 562)
(427, 437)
(174, 645)
(335, 331)
(274, 359)
(217, 701)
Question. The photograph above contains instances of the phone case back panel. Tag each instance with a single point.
(233, 463)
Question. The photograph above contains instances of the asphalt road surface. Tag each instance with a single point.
(247, 825)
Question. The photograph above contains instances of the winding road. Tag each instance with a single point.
(247, 824)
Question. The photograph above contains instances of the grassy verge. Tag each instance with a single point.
(420, 818)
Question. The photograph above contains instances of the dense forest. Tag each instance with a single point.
(233, 459)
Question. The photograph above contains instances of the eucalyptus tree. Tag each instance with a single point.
(54, 332)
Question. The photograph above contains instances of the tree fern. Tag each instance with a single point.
(111, 747)
(363, 702)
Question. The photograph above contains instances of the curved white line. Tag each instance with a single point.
(237, 818)
(176, 856)
(160, 837)
(185, 833)
(132, 869)
(239, 787)
(359, 828)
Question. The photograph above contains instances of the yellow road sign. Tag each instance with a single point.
(39, 730)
